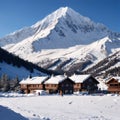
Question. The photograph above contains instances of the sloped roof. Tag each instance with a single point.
(79, 78)
(34, 80)
(116, 78)
(56, 79)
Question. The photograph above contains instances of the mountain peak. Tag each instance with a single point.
(54, 16)
(62, 9)
(63, 25)
(65, 10)
(61, 38)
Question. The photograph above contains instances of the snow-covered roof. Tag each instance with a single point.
(116, 78)
(79, 78)
(56, 79)
(34, 80)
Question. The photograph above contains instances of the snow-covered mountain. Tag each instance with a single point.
(110, 66)
(64, 40)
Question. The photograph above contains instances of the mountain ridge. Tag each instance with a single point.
(110, 66)
(54, 17)
(62, 41)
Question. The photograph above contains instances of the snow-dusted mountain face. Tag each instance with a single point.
(63, 28)
(62, 41)
(108, 67)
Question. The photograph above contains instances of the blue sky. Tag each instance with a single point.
(16, 14)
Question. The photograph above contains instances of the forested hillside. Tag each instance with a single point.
(13, 69)
(109, 66)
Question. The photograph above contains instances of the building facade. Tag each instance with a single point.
(31, 84)
(114, 85)
(59, 84)
(84, 83)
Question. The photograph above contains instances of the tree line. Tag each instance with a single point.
(9, 58)
(7, 84)
(12, 84)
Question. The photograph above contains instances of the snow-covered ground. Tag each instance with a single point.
(68, 107)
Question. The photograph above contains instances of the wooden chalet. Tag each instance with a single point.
(84, 83)
(59, 84)
(31, 84)
(113, 85)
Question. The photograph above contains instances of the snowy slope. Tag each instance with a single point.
(8, 114)
(63, 40)
(68, 57)
(13, 66)
(63, 108)
(107, 67)
(13, 71)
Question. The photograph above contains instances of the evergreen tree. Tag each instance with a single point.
(5, 85)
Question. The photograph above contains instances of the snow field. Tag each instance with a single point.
(68, 107)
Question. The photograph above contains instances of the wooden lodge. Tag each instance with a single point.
(59, 84)
(84, 83)
(113, 85)
(31, 84)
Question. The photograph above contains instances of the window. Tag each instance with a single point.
(113, 84)
(47, 85)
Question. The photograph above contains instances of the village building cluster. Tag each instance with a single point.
(62, 84)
